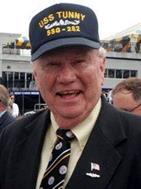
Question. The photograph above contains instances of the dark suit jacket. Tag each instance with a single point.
(6, 119)
(114, 145)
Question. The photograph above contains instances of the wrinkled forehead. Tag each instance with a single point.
(124, 91)
(123, 95)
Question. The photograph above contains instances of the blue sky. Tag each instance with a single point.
(113, 15)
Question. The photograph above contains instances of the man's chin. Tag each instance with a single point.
(69, 113)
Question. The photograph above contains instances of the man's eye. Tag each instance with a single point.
(79, 61)
(48, 66)
(52, 64)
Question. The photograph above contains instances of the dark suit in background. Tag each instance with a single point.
(114, 144)
(6, 119)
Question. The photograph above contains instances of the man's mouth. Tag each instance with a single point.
(68, 93)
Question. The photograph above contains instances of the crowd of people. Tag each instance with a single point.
(81, 140)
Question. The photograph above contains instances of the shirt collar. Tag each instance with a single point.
(82, 131)
(1, 113)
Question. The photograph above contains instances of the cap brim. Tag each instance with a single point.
(64, 42)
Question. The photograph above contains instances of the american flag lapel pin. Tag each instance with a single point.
(95, 166)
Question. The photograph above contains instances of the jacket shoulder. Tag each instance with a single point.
(25, 125)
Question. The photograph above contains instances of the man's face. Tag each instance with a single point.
(70, 80)
(124, 100)
(12, 98)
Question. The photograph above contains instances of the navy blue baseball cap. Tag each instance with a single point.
(61, 25)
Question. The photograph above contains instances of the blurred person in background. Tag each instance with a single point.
(127, 95)
(14, 108)
(5, 116)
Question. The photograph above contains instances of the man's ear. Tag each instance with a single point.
(36, 80)
(103, 63)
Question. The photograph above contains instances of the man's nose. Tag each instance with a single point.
(66, 74)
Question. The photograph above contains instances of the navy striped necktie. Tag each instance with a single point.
(55, 173)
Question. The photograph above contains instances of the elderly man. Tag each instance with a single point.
(127, 95)
(5, 116)
(80, 141)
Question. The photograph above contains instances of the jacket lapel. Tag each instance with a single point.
(3, 119)
(27, 153)
(100, 157)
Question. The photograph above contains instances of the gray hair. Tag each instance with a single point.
(102, 52)
(132, 85)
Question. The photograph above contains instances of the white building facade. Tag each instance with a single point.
(16, 70)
